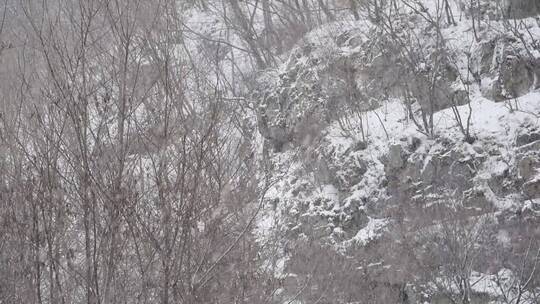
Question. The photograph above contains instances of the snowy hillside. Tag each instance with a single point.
(359, 174)
(270, 152)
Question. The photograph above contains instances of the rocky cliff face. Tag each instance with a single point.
(358, 174)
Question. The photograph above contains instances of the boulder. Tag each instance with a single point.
(527, 137)
(355, 220)
(527, 166)
(531, 189)
(531, 147)
(517, 9)
(350, 173)
(505, 71)
(499, 9)
(396, 157)
(517, 76)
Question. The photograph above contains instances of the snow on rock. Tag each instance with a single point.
(370, 232)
